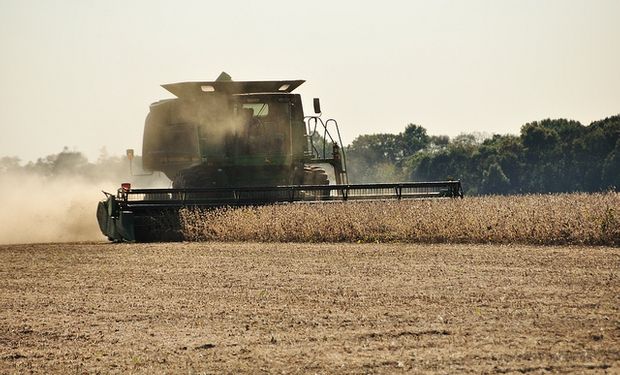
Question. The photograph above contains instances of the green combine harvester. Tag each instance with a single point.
(228, 144)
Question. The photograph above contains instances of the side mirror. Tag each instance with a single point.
(317, 105)
(130, 157)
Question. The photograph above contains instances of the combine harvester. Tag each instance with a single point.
(231, 144)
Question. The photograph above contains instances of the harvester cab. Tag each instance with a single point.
(232, 134)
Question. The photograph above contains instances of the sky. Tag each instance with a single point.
(81, 73)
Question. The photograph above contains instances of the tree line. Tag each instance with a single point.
(66, 163)
(71, 165)
(548, 156)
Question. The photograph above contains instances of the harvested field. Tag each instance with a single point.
(308, 308)
(562, 219)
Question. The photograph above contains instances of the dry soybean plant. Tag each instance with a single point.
(566, 219)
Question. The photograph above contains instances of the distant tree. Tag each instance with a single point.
(65, 163)
(542, 153)
(457, 161)
(380, 157)
(9, 164)
(611, 169)
(438, 142)
(368, 155)
(43, 166)
(538, 138)
(506, 151)
(494, 181)
(567, 130)
(413, 139)
(464, 140)
(374, 148)
(69, 162)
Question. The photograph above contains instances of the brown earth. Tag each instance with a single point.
(308, 308)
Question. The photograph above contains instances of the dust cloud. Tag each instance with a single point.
(62, 208)
(42, 209)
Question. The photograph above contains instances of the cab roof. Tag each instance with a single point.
(193, 89)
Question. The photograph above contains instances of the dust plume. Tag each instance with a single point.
(42, 209)
(55, 199)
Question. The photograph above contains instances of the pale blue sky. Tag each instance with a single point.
(82, 73)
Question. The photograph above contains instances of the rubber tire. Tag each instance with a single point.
(315, 176)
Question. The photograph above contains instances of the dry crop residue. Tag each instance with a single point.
(308, 308)
(561, 219)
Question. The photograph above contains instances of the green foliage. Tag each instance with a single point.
(494, 181)
(548, 156)
(413, 139)
(380, 157)
(611, 168)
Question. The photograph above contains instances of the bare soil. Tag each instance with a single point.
(308, 308)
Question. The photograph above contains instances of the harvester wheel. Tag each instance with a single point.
(315, 176)
(321, 178)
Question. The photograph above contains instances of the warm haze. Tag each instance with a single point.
(82, 73)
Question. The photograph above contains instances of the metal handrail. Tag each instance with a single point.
(283, 194)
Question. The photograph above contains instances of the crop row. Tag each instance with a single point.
(567, 219)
